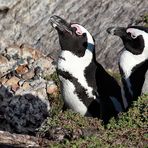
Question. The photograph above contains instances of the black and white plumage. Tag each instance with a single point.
(85, 85)
(133, 62)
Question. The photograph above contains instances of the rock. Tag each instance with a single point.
(5, 93)
(29, 75)
(38, 71)
(25, 113)
(22, 69)
(14, 87)
(24, 102)
(25, 107)
(52, 89)
(36, 87)
(25, 86)
(11, 140)
(3, 80)
(12, 81)
(3, 60)
(28, 52)
(45, 63)
(13, 51)
(28, 22)
(3, 68)
(6, 67)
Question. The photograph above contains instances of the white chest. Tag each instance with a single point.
(128, 61)
(71, 98)
(76, 67)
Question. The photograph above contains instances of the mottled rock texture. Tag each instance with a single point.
(24, 89)
(27, 21)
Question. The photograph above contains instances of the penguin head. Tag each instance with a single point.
(72, 37)
(135, 38)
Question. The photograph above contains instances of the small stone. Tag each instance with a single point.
(45, 63)
(13, 51)
(29, 75)
(7, 67)
(21, 82)
(3, 60)
(10, 75)
(52, 88)
(16, 57)
(12, 81)
(26, 86)
(3, 80)
(15, 87)
(30, 60)
(27, 51)
(38, 72)
(22, 69)
(8, 57)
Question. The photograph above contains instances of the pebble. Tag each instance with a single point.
(21, 82)
(52, 88)
(14, 87)
(22, 69)
(30, 52)
(26, 86)
(3, 60)
(29, 75)
(3, 80)
(46, 65)
(12, 81)
(43, 63)
(13, 51)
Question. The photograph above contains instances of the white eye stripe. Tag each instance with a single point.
(83, 30)
(135, 32)
(78, 31)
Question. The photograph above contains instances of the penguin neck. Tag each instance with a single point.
(133, 69)
(74, 61)
(128, 61)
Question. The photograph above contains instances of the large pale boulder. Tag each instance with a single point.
(27, 21)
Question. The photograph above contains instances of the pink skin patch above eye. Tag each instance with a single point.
(131, 30)
(78, 31)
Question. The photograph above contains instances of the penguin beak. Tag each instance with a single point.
(60, 24)
(119, 31)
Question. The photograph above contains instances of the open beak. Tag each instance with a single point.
(60, 24)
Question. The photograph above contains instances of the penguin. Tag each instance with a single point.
(133, 60)
(85, 85)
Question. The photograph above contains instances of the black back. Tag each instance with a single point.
(107, 87)
(136, 79)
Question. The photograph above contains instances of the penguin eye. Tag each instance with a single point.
(84, 34)
(133, 36)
